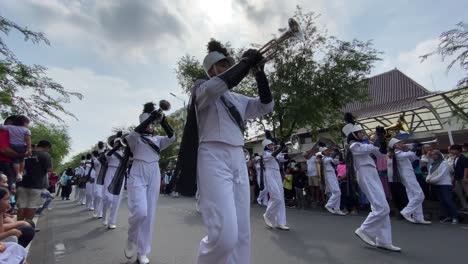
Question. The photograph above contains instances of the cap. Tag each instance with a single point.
(266, 142)
(213, 57)
(392, 142)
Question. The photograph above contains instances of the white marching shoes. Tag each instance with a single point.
(408, 218)
(329, 209)
(389, 248)
(365, 238)
(283, 227)
(423, 222)
(267, 221)
(143, 259)
(369, 241)
(130, 249)
(112, 226)
(105, 222)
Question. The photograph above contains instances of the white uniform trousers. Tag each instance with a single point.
(263, 194)
(332, 184)
(377, 224)
(81, 195)
(415, 197)
(98, 197)
(223, 185)
(276, 208)
(143, 185)
(111, 202)
(89, 195)
(76, 194)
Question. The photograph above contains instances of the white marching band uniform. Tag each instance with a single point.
(376, 230)
(90, 186)
(143, 185)
(333, 203)
(223, 181)
(413, 211)
(377, 224)
(276, 209)
(80, 194)
(98, 190)
(111, 202)
(262, 198)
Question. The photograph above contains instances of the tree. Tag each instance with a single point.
(311, 79)
(26, 89)
(454, 46)
(57, 135)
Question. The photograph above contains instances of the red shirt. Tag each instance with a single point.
(52, 179)
(4, 143)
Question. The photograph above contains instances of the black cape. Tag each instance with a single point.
(185, 173)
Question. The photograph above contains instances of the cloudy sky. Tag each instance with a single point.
(122, 53)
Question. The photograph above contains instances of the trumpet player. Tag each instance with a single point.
(275, 214)
(223, 182)
(144, 181)
(331, 181)
(413, 212)
(376, 230)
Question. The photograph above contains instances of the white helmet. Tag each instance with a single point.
(322, 149)
(213, 57)
(392, 142)
(266, 142)
(350, 128)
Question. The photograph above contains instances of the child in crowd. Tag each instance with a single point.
(299, 183)
(288, 188)
(10, 252)
(20, 141)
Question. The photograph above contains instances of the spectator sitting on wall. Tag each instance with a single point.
(7, 153)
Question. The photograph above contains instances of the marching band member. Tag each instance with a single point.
(275, 214)
(217, 116)
(331, 181)
(111, 202)
(80, 195)
(98, 190)
(413, 212)
(262, 198)
(376, 230)
(90, 175)
(144, 182)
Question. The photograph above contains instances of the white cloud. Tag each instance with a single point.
(108, 102)
(430, 73)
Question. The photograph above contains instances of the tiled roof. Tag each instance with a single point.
(389, 92)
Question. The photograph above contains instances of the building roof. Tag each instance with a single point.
(391, 91)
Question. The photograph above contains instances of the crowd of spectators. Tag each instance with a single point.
(442, 177)
(24, 170)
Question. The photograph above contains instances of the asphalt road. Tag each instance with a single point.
(69, 235)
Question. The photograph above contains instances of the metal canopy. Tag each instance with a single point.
(439, 106)
(448, 104)
(422, 119)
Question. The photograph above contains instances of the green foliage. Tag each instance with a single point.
(454, 46)
(188, 71)
(311, 79)
(57, 135)
(26, 89)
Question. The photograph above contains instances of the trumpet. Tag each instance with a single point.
(271, 47)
